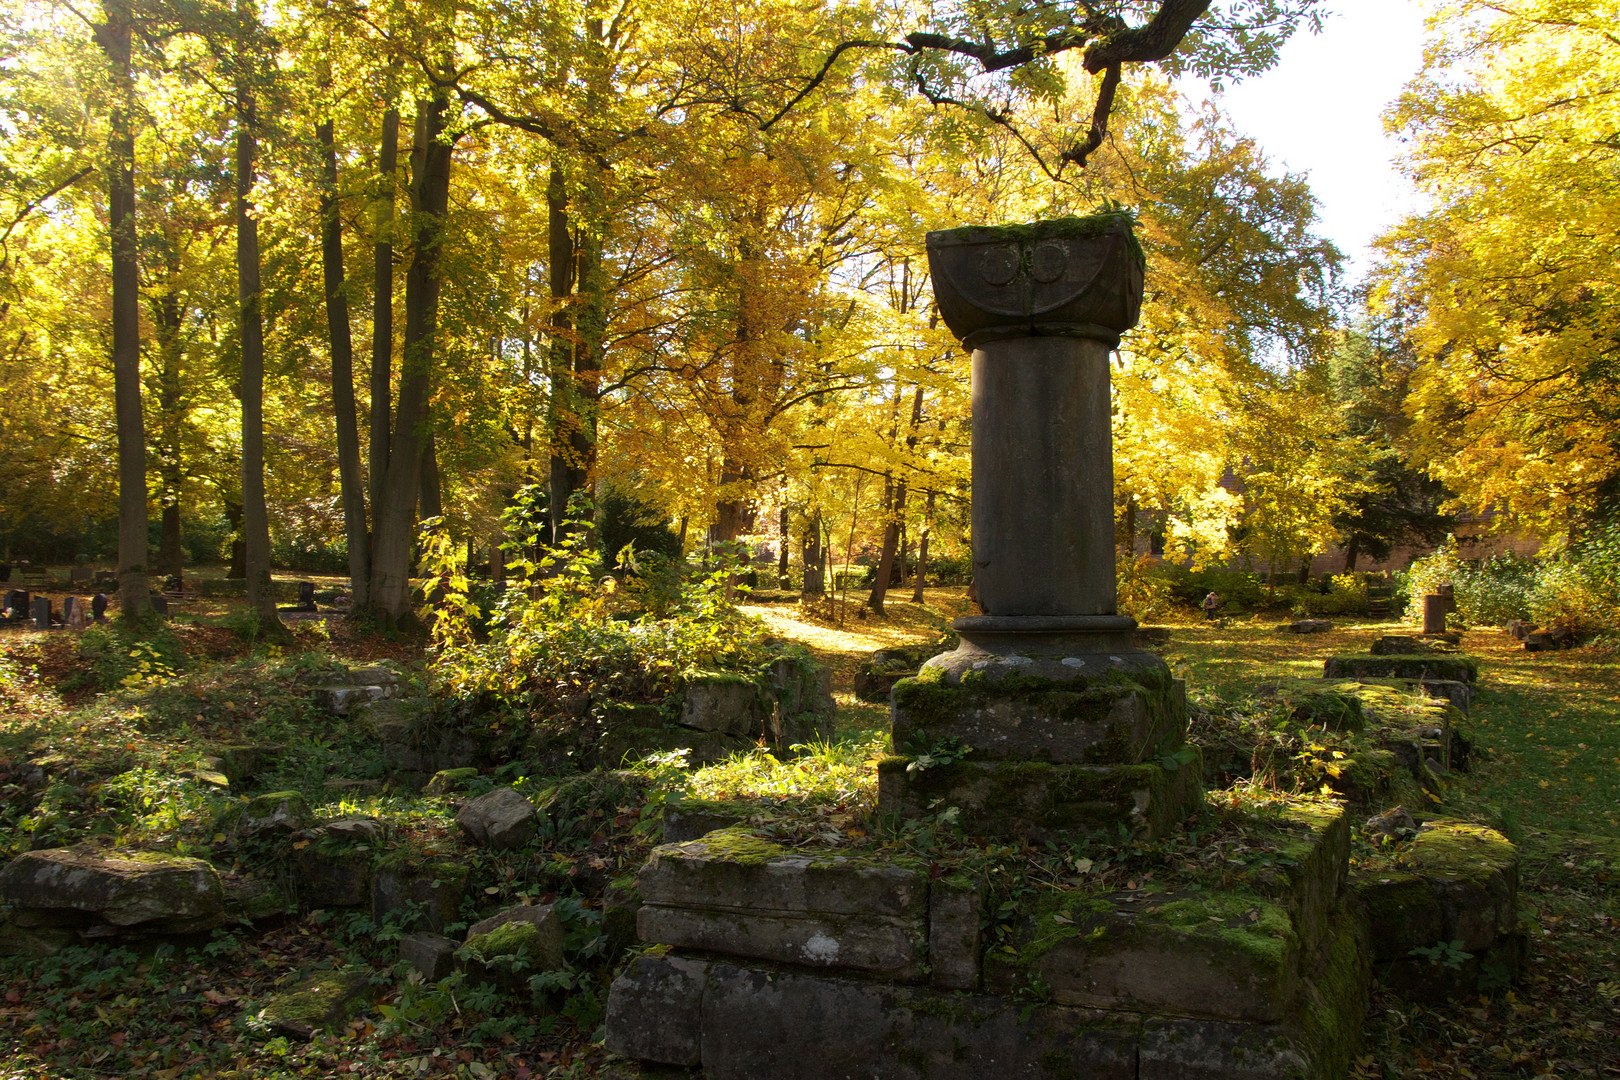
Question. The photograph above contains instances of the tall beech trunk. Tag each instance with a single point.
(894, 506)
(134, 591)
(261, 593)
(237, 570)
(394, 514)
(577, 315)
(382, 309)
(782, 556)
(430, 500)
(815, 581)
(350, 482)
(922, 549)
(166, 319)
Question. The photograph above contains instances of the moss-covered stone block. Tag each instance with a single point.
(319, 1004)
(1401, 909)
(1117, 721)
(449, 781)
(511, 951)
(1421, 666)
(105, 893)
(1233, 955)
(283, 812)
(732, 868)
(421, 889)
(1021, 798)
(1474, 872)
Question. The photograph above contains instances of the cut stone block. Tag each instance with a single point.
(1426, 667)
(318, 1004)
(431, 954)
(690, 819)
(502, 818)
(875, 944)
(730, 868)
(743, 1023)
(1226, 955)
(955, 942)
(110, 893)
(431, 889)
(1474, 872)
(1029, 797)
(335, 869)
(730, 706)
(655, 1010)
(276, 812)
(342, 700)
(541, 916)
(447, 781)
(513, 950)
(1402, 912)
(1071, 723)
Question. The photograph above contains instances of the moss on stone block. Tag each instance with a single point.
(1228, 954)
(1014, 797)
(1442, 666)
(326, 1001)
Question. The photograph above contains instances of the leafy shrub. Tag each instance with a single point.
(1346, 595)
(1240, 587)
(560, 630)
(1144, 594)
(127, 656)
(1577, 588)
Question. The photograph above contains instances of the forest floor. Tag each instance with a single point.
(1549, 724)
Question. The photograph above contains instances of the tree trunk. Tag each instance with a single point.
(1352, 551)
(255, 511)
(237, 570)
(382, 309)
(134, 591)
(430, 501)
(167, 315)
(815, 581)
(922, 549)
(782, 556)
(577, 318)
(394, 534)
(894, 508)
(350, 482)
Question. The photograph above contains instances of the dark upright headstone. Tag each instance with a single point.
(306, 596)
(1435, 608)
(105, 578)
(160, 604)
(17, 604)
(42, 613)
(79, 573)
(98, 607)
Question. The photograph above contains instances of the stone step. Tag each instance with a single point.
(1031, 798)
(752, 1021)
(1070, 723)
(1233, 953)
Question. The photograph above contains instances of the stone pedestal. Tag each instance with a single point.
(1067, 724)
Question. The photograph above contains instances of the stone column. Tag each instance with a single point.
(1046, 719)
(1042, 306)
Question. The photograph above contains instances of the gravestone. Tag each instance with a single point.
(42, 613)
(76, 612)
(98, 607)
(306, 596)
(106, 577)
(79, 573)
(160, 603)
(17, 604)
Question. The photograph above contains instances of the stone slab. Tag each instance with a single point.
(1112, 723)
(753, 1023)
(1226, 955)
(433, 955)
(955, 940)
(730, 868)
(878, 945)
(1031, 798)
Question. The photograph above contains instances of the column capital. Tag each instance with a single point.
(1064, 277)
